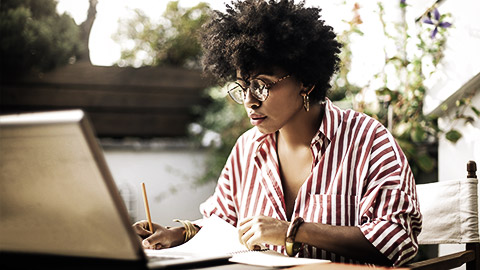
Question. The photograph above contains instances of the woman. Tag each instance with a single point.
(308, 177)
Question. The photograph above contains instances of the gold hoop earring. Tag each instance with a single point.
(306, 102)
(306, 99)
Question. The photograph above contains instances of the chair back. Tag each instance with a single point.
(450, 212)
(450, 216)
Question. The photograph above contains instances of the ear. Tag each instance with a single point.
(306, 90)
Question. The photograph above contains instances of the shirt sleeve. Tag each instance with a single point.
(221, 203)
(390, 216)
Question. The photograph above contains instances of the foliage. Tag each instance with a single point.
(172, 41)
(461, 106)
(401, 107)
(342, 89)
(218, 129)
(399, 86)
(35, 37)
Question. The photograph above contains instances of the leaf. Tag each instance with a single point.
(475, 110)
(453, 135)
(417, 134)
(469, 119)
(444, 107)
(358, 31)
(407, 147)
(425, 162)
(383, 91)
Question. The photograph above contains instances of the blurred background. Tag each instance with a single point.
(134, 67)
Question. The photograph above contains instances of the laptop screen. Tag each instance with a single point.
(56, 193)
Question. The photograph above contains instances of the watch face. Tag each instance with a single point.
(296, 248)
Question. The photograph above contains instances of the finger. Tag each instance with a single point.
(242, 229)
(243, 221)
(246, 237)
(158, 246)
(147, 245)
(253, 243)
(152, 243)
(245, 225)
(154, 239)
(141, 229)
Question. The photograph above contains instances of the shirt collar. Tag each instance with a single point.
(332, 118)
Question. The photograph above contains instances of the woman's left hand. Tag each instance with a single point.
(254, 231)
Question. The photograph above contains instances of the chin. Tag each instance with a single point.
(265, 130)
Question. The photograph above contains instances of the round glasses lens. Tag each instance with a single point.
(258, 89)
(236, 93)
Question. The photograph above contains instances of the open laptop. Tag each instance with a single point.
(59, 205)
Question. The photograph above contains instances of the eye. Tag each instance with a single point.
(262, 84)
(255, 84)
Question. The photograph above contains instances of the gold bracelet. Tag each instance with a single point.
(292, 247)
(190, 230)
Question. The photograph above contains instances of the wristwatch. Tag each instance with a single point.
(291, 246)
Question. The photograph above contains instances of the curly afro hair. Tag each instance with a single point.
(258, 35)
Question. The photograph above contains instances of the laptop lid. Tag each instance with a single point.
(57, 196)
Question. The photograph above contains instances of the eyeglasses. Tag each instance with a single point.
(258, 87)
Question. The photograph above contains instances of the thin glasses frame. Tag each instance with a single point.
(259, 91)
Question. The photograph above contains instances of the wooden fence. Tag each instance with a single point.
(139, 102)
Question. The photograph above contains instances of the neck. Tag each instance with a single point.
(301, 129)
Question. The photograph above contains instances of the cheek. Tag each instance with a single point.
(285, 104)
(283, 110)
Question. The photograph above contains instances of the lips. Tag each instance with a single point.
(256, 119)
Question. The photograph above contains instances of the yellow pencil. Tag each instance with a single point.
(147, 209)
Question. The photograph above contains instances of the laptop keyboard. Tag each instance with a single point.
(163, 258)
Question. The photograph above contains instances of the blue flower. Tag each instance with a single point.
(435, 21)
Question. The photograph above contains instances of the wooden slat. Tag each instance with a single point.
(84, 73)
(142, 125)
(44, 96)
(444, 262)
(474, 247)
(143, 102)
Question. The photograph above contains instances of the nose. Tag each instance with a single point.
(250, 101)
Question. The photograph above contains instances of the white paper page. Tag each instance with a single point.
(271, 258)
(217, 237)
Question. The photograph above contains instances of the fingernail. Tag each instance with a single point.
(146, 243)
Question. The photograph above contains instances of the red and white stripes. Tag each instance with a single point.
(360, 177)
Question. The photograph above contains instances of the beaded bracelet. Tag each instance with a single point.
(190, 230)
(291, 247)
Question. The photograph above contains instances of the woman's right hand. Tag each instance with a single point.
(163, 237)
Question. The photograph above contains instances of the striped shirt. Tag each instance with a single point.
(359, 177)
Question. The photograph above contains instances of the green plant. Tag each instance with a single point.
(400, 85)
(35, 37)
(171, 41)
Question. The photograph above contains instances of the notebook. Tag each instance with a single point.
(58, 201)
(217, 237)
